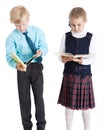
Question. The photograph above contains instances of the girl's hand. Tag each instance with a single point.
(19, 67)
(66, 59)
(78, 60)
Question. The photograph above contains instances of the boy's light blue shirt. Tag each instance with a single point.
(16, 43)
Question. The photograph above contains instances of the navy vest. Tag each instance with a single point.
(77, 46)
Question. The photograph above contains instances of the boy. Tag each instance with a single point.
(29, 76)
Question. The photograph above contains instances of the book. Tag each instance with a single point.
(34, 56)
(19, 61)
(84, 56)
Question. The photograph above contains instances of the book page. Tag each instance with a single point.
(74, 56)
(18, 60)
(84, 56)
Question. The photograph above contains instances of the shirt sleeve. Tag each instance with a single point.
(10, 48)
(62, 45)
(42, 45)
(92, 50)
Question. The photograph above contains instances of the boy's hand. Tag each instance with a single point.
(39, 53)
(19, 67)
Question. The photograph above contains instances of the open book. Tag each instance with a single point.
(85, 56)
(18, 60)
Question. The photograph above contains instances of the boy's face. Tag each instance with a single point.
(77, 24)
(22, 27)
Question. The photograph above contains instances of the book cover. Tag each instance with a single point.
(18, 60)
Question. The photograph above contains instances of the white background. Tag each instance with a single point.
(52, 17)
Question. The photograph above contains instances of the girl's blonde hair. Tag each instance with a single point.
(18, 14)
(78, 12)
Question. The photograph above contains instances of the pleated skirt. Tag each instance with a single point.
(77, 92)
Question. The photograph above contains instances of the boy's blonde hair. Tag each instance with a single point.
(18, 14)
(78, 12)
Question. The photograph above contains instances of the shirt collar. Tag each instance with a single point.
(79, 35)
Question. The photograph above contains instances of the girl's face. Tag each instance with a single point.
(22, 27)
(77, 24)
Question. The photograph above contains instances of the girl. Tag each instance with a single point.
(77, 89)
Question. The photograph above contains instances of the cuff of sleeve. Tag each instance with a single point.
(14, 65)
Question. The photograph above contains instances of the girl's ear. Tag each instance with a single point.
(69, 24)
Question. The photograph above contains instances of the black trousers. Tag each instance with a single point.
(32, 78)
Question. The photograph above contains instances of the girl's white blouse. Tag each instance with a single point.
(92, 47)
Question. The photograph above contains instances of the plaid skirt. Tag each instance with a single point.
(77, 92)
